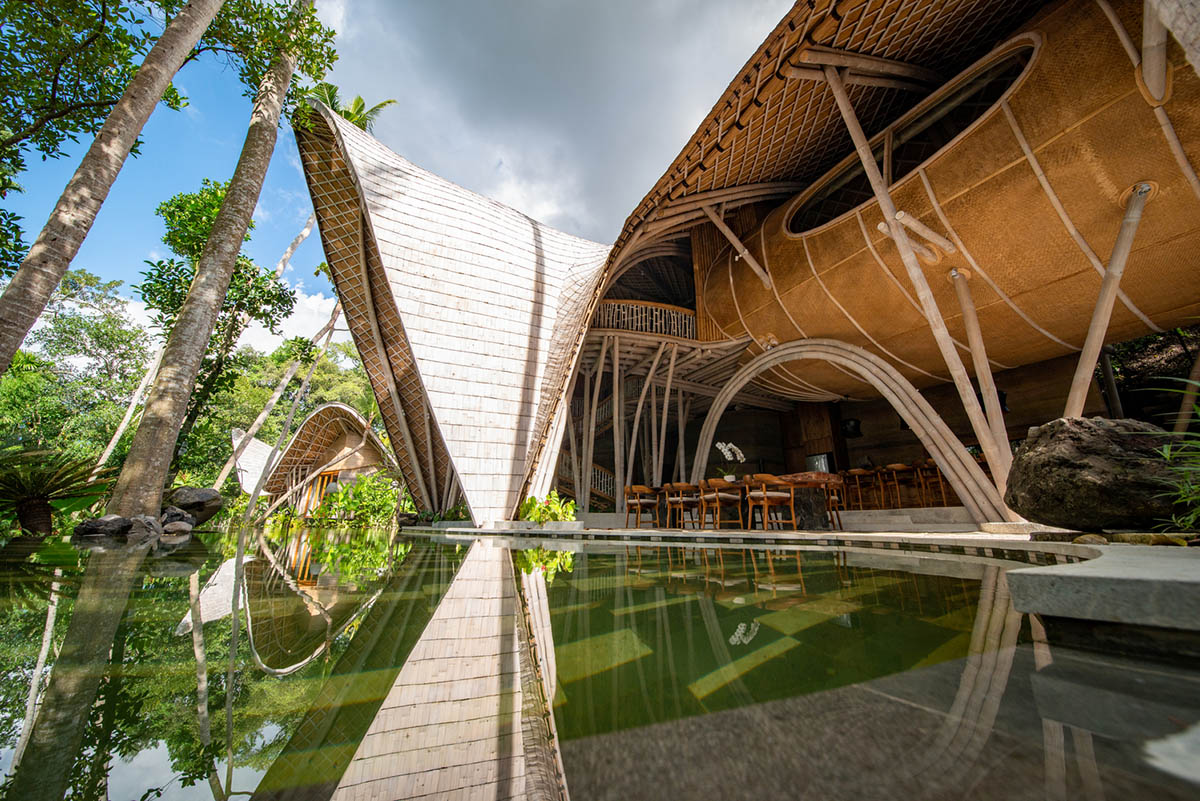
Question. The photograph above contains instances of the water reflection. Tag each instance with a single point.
(338, 665)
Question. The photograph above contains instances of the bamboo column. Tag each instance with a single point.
(1104, 302)
(983, 370)
(618, 428)
(929, 306)
(666, 407)
(1110, 385)
(637, 416)
(590, 442)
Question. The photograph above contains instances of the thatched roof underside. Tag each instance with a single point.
(312, 440)
(479, 309)
(768, 137)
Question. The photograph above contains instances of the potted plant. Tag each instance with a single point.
(732, 457)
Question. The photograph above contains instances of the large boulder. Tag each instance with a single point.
(107, 526)
(199, 502)
(1092, 475)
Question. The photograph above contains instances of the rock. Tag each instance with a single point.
(108, 526)
(1090, 539)
(173, 514)
(407, 519)
(144, 528)
(200, 502)
(1091, 475)
(178, 527)
(1135, 538)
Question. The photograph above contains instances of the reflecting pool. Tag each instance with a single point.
(348, 665)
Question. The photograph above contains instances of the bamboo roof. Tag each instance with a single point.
(767, 137)
(311, 442)
(467, 313)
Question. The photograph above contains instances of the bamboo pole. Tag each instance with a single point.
(1188, 402)
(929, 306)
(618, 428)
(983, 370)
(681, 422)
(151, 371)
(637, 416)
(666, 407)
(652, 425)
(590, 447)
(1154, 52)
(742, 252)
(921, 229)
(1102, 313)
(1110, 385)
(288, 375)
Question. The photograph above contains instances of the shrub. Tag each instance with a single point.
(1182, 453)
(370, 502)
(552, 510)
(36, 484)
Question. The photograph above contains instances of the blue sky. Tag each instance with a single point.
(545, 106)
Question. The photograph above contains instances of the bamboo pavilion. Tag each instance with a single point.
(906, 229)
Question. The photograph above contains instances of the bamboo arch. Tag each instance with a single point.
(977, 493)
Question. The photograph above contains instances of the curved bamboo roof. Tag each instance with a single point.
(768, 136)
(468, 314)
(313, 438)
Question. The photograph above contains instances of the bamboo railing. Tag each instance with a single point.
(604, 483)
(645, 318)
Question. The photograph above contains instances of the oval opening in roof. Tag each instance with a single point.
(915, 140)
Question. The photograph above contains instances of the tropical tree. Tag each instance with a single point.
(245, 33)
(253, 294)
(40, 272)
(357, 112)
(139, 487)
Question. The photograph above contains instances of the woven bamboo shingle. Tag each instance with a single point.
(480, 310)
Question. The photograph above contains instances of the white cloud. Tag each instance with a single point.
(309, 316)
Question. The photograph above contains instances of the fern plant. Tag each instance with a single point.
(35, 484)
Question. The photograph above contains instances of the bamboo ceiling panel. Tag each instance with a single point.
(487, 303)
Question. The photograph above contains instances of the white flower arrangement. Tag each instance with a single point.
(731, 452)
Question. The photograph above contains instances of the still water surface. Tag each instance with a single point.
(363, 665)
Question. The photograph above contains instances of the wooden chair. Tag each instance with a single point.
(901, 475)
(717, 494)
(868, 481)
(639, 497)
(931, 474)
(766, 492)
(682, 498)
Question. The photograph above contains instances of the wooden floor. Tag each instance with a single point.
(451, 726)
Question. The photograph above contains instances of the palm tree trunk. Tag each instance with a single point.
(130, 409)
(59, 240)
(292, 369)
(139, 487)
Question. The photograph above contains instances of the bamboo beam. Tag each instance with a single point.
(816, 75)
(922, 251)
(681, 424)
(863, 64)
(386, 365)
(746, 398)
(637, 416)
(652, 428)
(937, 324)
(666, 407)
(742, 252)
(590, 446)
(921, 229)
(983, 370)
(1102, 313)
(1154, 53)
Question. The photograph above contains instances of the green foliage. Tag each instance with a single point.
(355, 558)
(47, 480)
(549, 562)
(552, 509)
(356, 112)
(1182, 453)
(72, 394)
(370, 502)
